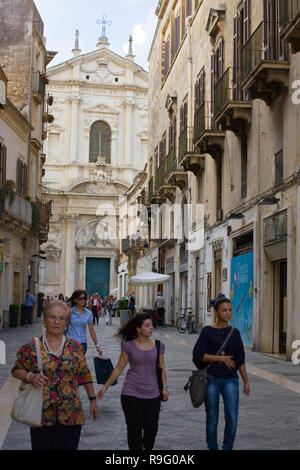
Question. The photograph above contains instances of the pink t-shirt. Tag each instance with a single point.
(141, 378)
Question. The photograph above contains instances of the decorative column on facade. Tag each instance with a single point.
(128, 126)
(75, 102)
(70, 254)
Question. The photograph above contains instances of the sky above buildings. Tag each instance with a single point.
(129, 17)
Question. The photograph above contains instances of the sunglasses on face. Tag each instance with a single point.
(81, 298)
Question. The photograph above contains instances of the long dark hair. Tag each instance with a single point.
(128, 331)
(76, 294)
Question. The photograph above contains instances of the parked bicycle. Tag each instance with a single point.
(186, 321)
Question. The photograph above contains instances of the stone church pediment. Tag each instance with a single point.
(103, 109)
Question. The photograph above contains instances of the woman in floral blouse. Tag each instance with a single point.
(64, 369)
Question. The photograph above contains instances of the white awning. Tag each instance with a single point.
(148, 279)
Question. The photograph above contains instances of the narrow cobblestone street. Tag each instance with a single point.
(268, 419)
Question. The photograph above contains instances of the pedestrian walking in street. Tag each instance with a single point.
(95, 309)
(29, 304)
(64, 369)
(131, 305)
(114, 306)
(81, 318)
(222, 373)
(160, 308)
(140, 397)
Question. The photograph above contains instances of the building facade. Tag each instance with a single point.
(24, 213)
(96, 145)
(224, 114)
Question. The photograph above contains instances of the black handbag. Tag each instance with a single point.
(198, 380)
(159, 371)
(103, 369)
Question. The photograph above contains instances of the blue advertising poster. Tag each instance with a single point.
(242, 296)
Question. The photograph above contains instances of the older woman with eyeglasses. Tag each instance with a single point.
(64, 370)
(81, 318)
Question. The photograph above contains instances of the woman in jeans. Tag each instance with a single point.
(81, 317)
(140, 397)
(223, 379)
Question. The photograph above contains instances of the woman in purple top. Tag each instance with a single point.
(140, 397)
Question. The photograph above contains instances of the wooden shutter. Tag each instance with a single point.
(212, 84)
(235, 58)
(201, 87)
(185, 115)
(174, 131)
(2, 164)
(189, 8)
(246, 25)
(167, 57)
(220, 54)
(177, 34)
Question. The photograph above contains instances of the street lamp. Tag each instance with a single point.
(236, 215)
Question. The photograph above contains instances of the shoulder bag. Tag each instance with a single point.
(197, 382)
(28, 404)
(159, 371)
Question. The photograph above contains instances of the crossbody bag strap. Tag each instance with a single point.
(157, 343)
(223, 344)
(38, 354)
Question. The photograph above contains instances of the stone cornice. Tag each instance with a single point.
(93, 86)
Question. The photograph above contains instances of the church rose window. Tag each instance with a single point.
(100, 142)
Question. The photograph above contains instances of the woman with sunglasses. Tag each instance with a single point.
(81, 318)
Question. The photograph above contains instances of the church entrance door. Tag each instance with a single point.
(98, 276)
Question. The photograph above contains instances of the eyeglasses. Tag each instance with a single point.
(81, 298)
(62, 319)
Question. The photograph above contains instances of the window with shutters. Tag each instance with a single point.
(172, 134)
(188, 8)
(217, 70)
(241, 34)
(176, 44)
(183, 117)
(199, 90)
(163, 149)
(21, 178)
(100, 142)
(273, 45)
(156, 162)
(167, 58)
(3, 159)
(279, 167)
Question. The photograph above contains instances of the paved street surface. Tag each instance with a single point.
(268, 420)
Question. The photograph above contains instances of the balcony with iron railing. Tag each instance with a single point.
(230, 113)
(151, 189)
(175, 174)
(208, 138)
(160, 176)
(17, 208)
(265, 69)
(290, 23)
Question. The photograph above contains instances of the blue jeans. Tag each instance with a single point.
(229, 389)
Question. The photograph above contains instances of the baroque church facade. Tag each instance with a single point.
(96, 146)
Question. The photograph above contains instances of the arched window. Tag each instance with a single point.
(100, 142)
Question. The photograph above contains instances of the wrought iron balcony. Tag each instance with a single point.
(208, 137)
(230, 113)
(290, 23)
(183, 144)
(275, 228)
(175, 175)
(265, 70)
(150, 189)
(38, 87)
(160, 176)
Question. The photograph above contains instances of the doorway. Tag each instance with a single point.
(283, 307)
(98, 276)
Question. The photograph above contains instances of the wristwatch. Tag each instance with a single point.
(92, 398)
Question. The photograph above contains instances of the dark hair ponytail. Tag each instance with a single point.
(128, 331)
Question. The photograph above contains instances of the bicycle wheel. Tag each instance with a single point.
(181, 325)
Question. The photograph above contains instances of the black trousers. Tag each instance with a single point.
(56, 437)
(142, 417)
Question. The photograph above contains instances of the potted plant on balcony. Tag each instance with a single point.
(50, 118)
(123, 309)
(13, 315)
